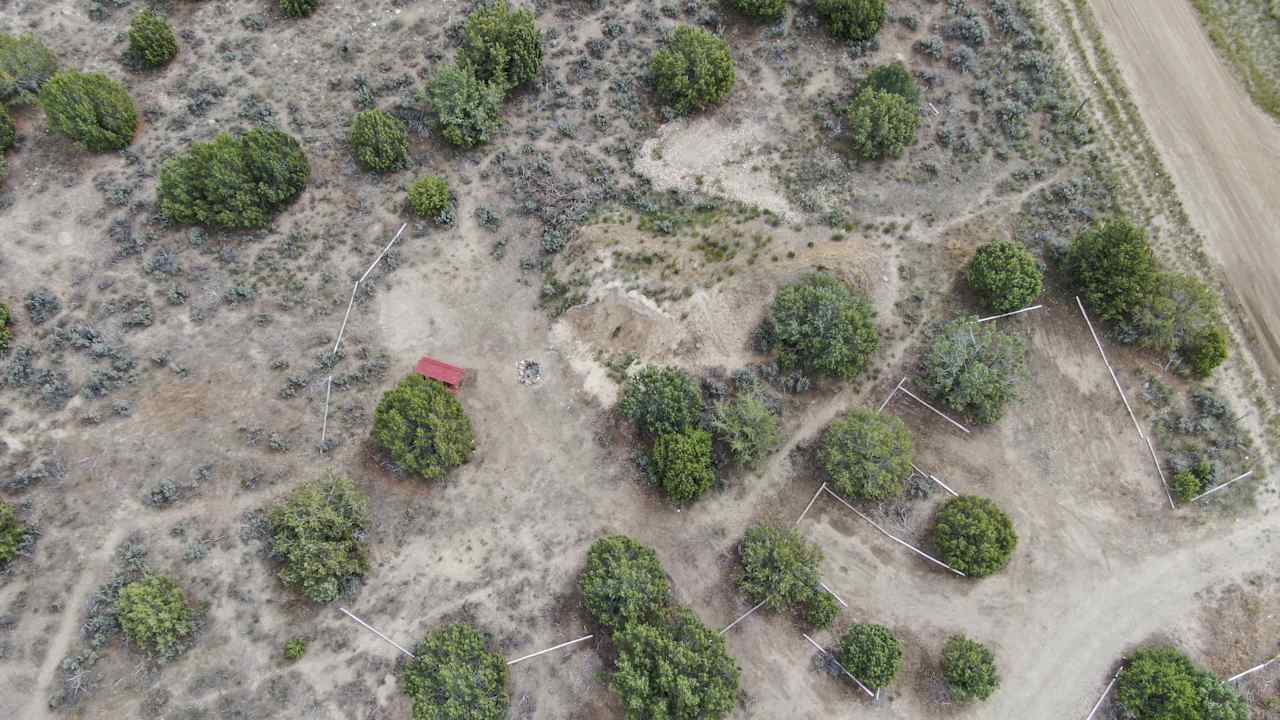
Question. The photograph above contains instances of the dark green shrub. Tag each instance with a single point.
(974, 536)
(455, 676)
(681, 464)
(91, 109)
(881, 124)
(780, 569)
(852, 19)
(380, 141)
(430, 198)
(1185, 485)
(762, 9)
(870, 653)
(13, 533)
(820, 611)
(693, 71)
(298, 8)
(1160, 683)
(25, 66)
(502, 47)
(867, 454)
(893, 78)
(623, 583)
(974, 368)
(818, 324)
(661, 400)
(151, 40)
(969, 668)
(423, 427)
(466, 108)
(1205, 351)
(1112, 266)
(295, 649)
(6, 334)
(8, 131)
(234, 182)
(678, 670)
(319, 531)
(153, 613)
(1005, 276)
(1182, 317)
(747, 426)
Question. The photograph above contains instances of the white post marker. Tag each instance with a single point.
(837, 662)
(1008, 314)
(811, 502)
(742, 617)
(935, 479)
(938, 412)
(374, 630)
(1223, 485)
(1160, 470)
(1111, 370)
(544, 652)
(833, 594)
(324, 424)
(896, 388)
(890, 535)
(1253, 670)
(1106, 692)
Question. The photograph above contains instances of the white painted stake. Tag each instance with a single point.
(1015, 312)
(1111, 370)
(1160, 470)
(889, 535)
(896, 388)
(544, 652)
(384, 252)
(833, 594)
(935, 479)
(1253, 670)
(1106, 692)
(934, 409)
(743, 617)
(324, 425)
(374, 630)
(811, 502)
(837, 662)
(1220, 487)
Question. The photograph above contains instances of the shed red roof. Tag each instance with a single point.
(450, 375)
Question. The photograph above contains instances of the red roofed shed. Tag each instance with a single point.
(450, 375)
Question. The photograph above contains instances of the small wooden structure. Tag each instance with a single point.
(450, 375)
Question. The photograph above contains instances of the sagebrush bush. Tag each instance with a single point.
(466, 109)
(1005, 276)
(747, 426)
(430, 198)
(762, 9)
(819, 325)
(1112, 266)
(852, 19)
(871, 653)
(674, 670)
(661, 400)
(693, 70)
(974, 535)
(681, 464)
(501, 46)
(969, 669)
(423, 427)
(91, 109)
(881, 124)
(151, 40)
(780, 569)
(298, 8)
(319, 532)
(380, 141)
(623, 583)
(234, 182)
(13, 533)
(25, 66)
(455, 676)
(867, 454)
(8, 131)
(974, 368)
(1160, 683)
(153, 613)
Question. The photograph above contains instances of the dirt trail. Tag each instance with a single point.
(1220, 149)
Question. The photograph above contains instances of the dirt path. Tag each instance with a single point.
(1220, 149)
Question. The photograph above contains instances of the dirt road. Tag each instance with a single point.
(1219, 147)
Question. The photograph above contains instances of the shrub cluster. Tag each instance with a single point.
(91, 109)
(747, 426)
(25, 66)
(319, 532)
(819, 325)
(1113, 267)
(1160, 683)
(502, 47)
(466, 109)
(870, 653)
(298, 8)
(1005, 276)
(893, 78)
(661, 400)
(430, 198)
(693, 70)
(867, 454)
(853, 19)
(234, 182)
(780, 569)
(974, 536)
(153, 613)
(681, 464)
(1190, 482)
(455, 676)
(969, 668)
(762, 9)
(974, 368)
(623, 583)
(881, 124)
(380, 141)
(13, 533)
(423, 427)
(151, 40)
